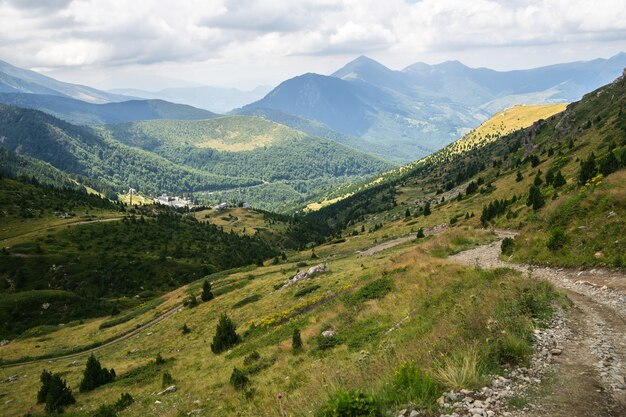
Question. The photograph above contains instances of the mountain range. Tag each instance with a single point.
(404, 115)
(215, 99)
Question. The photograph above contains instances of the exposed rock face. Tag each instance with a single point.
(171, 388)
(310, 273)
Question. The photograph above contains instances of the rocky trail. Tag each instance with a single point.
(579, 366)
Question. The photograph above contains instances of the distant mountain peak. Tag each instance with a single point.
(359, 67)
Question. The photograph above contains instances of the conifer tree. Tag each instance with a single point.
(535, 198)
(427, 209)
(296, 341)
(95, 375)
(558, 180)
(207, 295)
(225, 335)
(54, 392)
(407, 213)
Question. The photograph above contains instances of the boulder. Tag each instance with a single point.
(171, 388)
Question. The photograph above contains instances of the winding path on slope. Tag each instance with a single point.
(68, 224)
(588, 378)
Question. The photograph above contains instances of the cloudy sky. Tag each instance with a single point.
(147, 43)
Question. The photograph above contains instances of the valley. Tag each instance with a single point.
(438, 240)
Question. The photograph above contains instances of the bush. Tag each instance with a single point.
(95, 375)
(327, 342)
(106, 411)
(185, 329)
(238, 379)
(159, 360)
(296, 341)
(506, 247)
(191, 301)
(207, 295)
(373, 290)
(556, 240)
(225, 335)
(251, 358)
(125, 401)
(248, 300)
(306, 290)
(350, 404)
(167, 380)
(54, 392)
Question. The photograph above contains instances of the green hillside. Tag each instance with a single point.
(93, 252)
(293, 166)
(490, 183)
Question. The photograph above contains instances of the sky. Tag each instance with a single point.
(152, 44)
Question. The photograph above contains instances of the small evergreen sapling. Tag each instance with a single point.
(296, 341)
(207, 295)
(225, 335)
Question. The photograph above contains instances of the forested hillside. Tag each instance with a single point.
(80, 151)
(83, 268)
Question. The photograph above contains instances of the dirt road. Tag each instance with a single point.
(588, 379)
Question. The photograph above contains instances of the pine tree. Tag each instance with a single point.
(54, 392)
(225, 335)
(207, 295)
(535, 198)
(95, 375)
(420, 233)
(588, 169)
(238, 379)
(407, 213)
(427, 209)
(558, 180)
(296, 341)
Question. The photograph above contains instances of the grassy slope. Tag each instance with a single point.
(438, 297)
(499, 125)
(592, 125)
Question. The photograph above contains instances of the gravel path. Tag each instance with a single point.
(587, 354)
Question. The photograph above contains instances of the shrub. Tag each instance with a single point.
(373, 290)
(167, 379)
(557, 239)
(506, 247)
(306, 290)
(327, 342)
(54, 392)
(190, 301)
(238, 379)
(106, 411)
(350, 404)
(95, 375)
(185, 329)
(125, 401)
(248, 300)
(207, 295)
(296, 341)
(159, 360)
(225, 335)
(252, 357)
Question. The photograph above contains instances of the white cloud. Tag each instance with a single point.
(203, 38)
